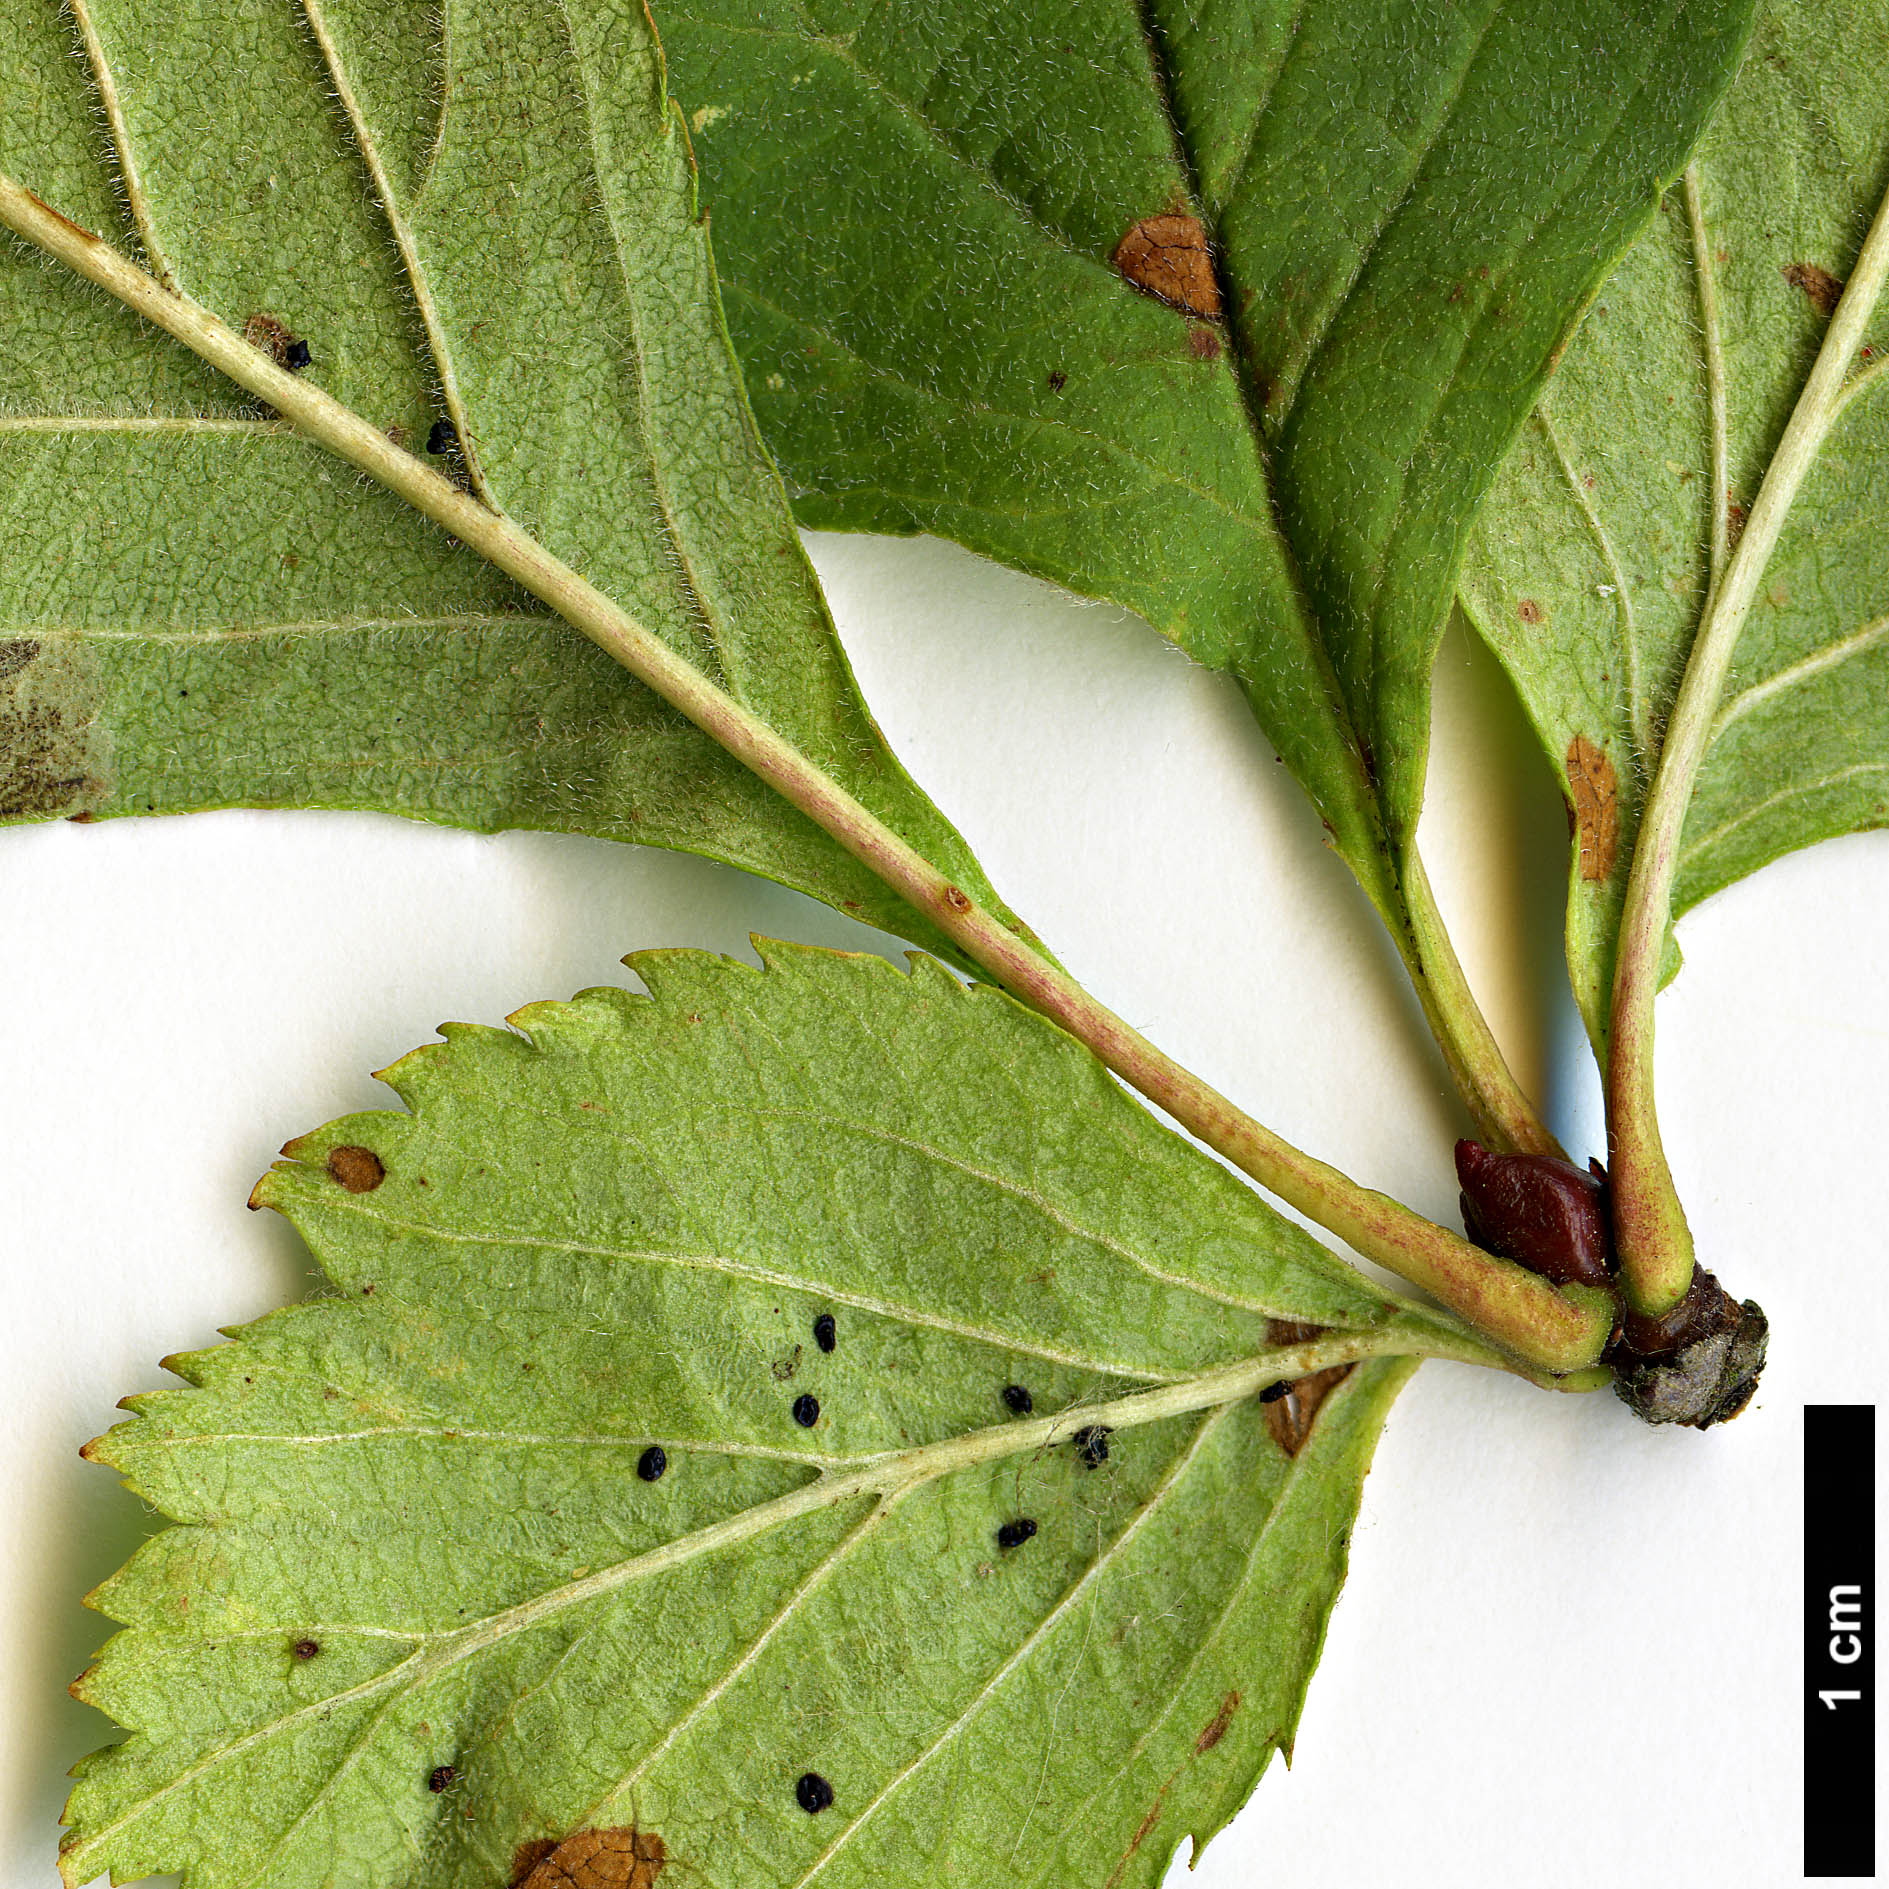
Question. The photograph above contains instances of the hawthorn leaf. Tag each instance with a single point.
(1225, 311)
(1590, 566)
(432, 1608)
(478, 226)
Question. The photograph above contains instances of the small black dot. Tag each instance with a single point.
(1018, 1399)
(1091, 1446)
(806, 1410)
(441, 1779)
(812, 1793)
(1058, 380)
(1273, 1392)
(1015, 1534)
(296, 356)
(824, 1333)
(652, 1463)
(443, 438)
(307, 1649)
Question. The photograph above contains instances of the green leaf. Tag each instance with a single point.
(927, 215)
(481, 221)
(413, 1534)
(1589, 570)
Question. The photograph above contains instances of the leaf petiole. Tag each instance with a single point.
(1650, 1231)
(1557, 1330)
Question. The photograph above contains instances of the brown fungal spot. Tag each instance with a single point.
(1290, 1417)
(527, 1857)
(1734, 522)
(1166, 256)
(1823, 289)
(50, 744)
(359, 1170)
(786, 1365)
(592, 1859)
(1216, 1727)
(957, 900)
(265, 333)
(1203, 343)
(307, 1649)
(1595, 788)
(1058, 380)
(1529, 610)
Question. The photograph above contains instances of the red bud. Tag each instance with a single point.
(1545, 1214)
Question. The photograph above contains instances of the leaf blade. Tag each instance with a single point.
(517, 723)
(510, 1588)
(1787, 186)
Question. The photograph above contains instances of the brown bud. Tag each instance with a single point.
(1544, 1214)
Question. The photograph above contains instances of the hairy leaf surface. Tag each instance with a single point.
(1592, 561)
(480, 223)
(1227, 311)
(423, 1614)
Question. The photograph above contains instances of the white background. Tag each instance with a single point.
(1569, 1649)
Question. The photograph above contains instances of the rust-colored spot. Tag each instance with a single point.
(527, 1857)
(264, 332)
(1216, 1727)
(359, 1170)
(1592, 782)
(1166, 256)
(1529, 610)
(1824, 290)
(1290, 1418)
(593, 1859)
(78, 229)
(958, 901)
(1203, 343)
(1734, 522)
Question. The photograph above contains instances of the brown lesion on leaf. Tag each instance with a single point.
(1529, 611)
(1216, 1727)
(1596, 798)
(359, 1170)
(625, 1858)
(1823, 289)
(50, 746)
(1203, 342)
(1168, 257)
(1735, 515)
(268, 335)
(1290, 1417)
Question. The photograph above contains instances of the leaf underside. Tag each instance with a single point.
(1590, 564)
(422, 1617)
(938, 226)
(480, 223)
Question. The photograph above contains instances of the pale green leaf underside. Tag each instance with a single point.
(917, 206)
(483, 215)
(1589, 566)
(615, 1226)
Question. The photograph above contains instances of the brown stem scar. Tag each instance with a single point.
(78, 229)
